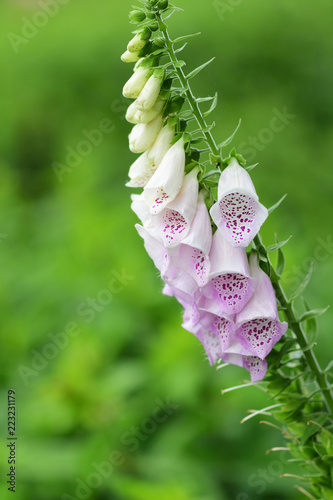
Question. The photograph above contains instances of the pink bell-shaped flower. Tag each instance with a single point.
(168, 179)
(192, 254)
(229, 284)
(258, 324)
(238, 213)
(256, 366)
(172, 224)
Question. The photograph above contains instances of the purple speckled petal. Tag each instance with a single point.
(258, 324)
(260, 335)
(229, 281)
(238, 213)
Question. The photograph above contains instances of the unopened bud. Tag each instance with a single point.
(151, 90)
(129, 57)
(163, 4)
(136, 44)
(135, 84)
(144, 135)
(137, 16)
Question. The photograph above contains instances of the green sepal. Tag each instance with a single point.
(327, 441)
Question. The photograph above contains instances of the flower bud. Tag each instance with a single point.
(144, 135)
(161, 145)
(129, 57)
(151, 90)
(137, 16)
(136, 44)
(136, 115)
(135, 84)
(163, 4)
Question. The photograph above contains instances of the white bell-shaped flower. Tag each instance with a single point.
(238, 213)
(168, 179)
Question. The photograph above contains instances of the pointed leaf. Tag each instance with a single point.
(181, 38)
(311, 325)
(228, 141)
(179, 64)
(274, 207)
(312, 314)
(276, 246)
(205, 99)
(198, 69)
(281, 262)
(180, 49)
(303, 285)
(213, 105)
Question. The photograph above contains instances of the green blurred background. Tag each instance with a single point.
(62, 243)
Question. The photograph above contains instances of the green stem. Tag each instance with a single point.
(188, 92)
(295, 326)
(289, 313)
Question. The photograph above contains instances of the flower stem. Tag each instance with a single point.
(295, 326)
(188, 92)
(293, 321)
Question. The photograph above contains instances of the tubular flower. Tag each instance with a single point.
(258, 324)
(238, 213)
(256, 366)
(135, 84)
(172, 224)
(192, 254)
(150, 92)
(229, 282)
(143, 135)
(168, 179)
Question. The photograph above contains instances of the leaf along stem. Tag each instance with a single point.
(188, 91)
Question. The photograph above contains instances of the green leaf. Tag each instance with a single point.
(180, 49)
(274, 207)
(213, 105)
(228, 141)
(179, 64)
(181, 38)
(311, 325)
(313, 428)
(327, 494)
(198, 69)
(281, 261)
(276, 246)
(312, 314)
(329, 366)
(303, 285)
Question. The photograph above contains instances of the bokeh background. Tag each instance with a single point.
(85, 397)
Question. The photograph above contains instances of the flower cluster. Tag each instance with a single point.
(198, 245)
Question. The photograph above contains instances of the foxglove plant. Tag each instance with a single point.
(201, 216)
